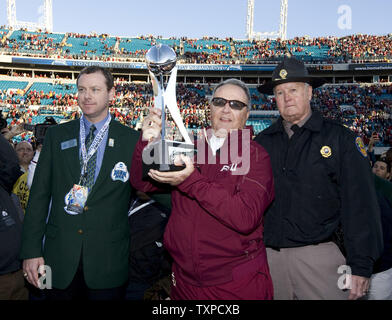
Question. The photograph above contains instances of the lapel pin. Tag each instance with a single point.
(326, 152)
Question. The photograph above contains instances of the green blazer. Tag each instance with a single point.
(100, 235)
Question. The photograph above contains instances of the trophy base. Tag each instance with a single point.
(160, 155)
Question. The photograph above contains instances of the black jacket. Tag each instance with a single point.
(10, 223)
(322, 179)
(148, 259)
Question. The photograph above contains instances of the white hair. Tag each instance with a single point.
(238, 83)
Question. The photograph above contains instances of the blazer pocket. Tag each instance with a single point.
(51, 231)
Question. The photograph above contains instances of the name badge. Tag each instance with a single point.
(120, 172)
(76, 199)
(68, 144)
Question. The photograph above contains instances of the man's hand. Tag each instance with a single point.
(359, 287)
(15, 130)
(373, 139)
(174, 178)
(152, 125)
(30, 270)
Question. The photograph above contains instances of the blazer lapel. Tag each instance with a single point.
(71, 155)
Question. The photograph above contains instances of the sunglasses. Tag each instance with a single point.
(234, 104)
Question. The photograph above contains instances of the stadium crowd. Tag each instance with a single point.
(355, 48)
(207, 50)
(363, 108)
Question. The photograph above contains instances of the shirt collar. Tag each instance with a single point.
(314, 123)
(98, 125)
(216, 143)
(287, 125)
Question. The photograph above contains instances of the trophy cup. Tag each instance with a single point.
(159, 155)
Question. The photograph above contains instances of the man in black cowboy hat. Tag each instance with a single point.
(323, 183)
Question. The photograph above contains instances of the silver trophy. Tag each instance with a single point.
(161, 62)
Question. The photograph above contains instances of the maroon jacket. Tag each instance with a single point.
(216, 222)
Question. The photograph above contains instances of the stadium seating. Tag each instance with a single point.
(6, 84)
(26, 41)
(209, 46)
(137, 45)
(3, 32)
(90, 46)
(47, 88)
(128, 45)
(259, 125)
(206, 50)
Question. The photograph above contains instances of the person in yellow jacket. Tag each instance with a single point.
(25, 153)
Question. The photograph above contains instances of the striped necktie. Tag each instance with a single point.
(91, 163)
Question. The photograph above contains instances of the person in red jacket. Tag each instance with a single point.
(215, 231)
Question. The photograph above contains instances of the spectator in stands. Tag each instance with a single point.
(216, 221)
(87, 233)
(382, 169)
(322, 177)
(374, 138)
(25, 153)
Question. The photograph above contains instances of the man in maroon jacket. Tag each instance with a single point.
(215, 231)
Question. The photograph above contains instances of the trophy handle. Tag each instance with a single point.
(171, 103)
(157, 90)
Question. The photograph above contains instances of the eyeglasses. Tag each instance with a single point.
(234, 104)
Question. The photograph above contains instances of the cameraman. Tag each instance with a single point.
(12, 285)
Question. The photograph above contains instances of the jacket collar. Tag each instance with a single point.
(314, 123)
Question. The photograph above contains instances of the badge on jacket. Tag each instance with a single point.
(6, 221)
(326, 151)
(120, 172)
(76, 199)
(68, 144)
(360, 146)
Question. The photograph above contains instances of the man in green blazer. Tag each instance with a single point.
(86, 191)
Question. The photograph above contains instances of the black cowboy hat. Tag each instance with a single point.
(290, 70)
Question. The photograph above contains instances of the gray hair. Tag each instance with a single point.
(238, 83)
